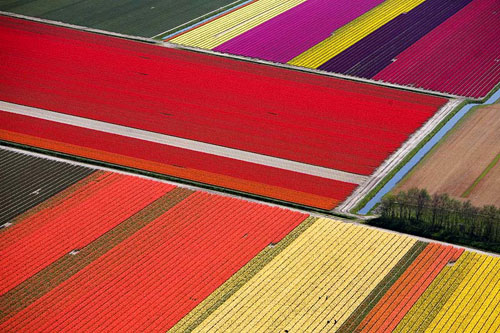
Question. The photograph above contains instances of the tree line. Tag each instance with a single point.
(441, 217)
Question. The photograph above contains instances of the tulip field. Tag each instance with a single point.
(397, 284)
(205, 172)
(344, 129)
(429, 44)
(115, 252)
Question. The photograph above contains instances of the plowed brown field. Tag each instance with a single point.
(453, 166)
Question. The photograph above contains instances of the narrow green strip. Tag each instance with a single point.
(379, 291)
(51, 276)
(481, 176)
(233, 284)
(456, 278)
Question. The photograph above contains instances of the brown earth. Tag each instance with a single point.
(488, 189)
(455, 164)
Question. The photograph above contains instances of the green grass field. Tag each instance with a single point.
(146, 18)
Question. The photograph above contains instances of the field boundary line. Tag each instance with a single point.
(314, 71)
(219, 12)
(431, 141)
(389, 164)
(483, 174)
(80, 27)
(226, 290)
(163, 178)
(188, 144)
(36, 286)
(103, 166)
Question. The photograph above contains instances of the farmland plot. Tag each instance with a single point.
(460, 165)
(341, 129)
(140, 18)
(397, 41)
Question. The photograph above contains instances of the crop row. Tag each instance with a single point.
(382, 47)
(66, 266)
(398, 41)
(312, 284)
(473, 306)
(239, 279)
(408, 288)
(216, 32)
(438, 292)
(36, 242)
(157, 275)
(353, 32)
(447, 59)
(379, 291)
(346, 130)
(309, 23)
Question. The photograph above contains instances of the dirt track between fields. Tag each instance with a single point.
(454, 165)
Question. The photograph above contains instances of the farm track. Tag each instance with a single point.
(183, 143)
(333, 147)
(395, 159)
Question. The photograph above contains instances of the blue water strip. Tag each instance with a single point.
(207, 19)
(422, 152)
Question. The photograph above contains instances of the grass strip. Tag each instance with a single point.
(429, 136)
(51, 276)
(379, 291)
(240, 278)
(55, 199)
(457, 277)
(490, 166)
(407, 158)
(423, 310)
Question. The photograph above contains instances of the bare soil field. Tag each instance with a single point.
(487, 190)
(454, 165)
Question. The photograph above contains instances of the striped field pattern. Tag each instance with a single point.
(318, 122)
(55, 231)
(436, 45)
(353, 32)
(107, 248)
(310, 23)
(215, 33)
(312, 283)
(114, 252)
(397, 284)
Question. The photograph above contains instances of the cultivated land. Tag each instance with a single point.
(459, 165)
(86, 249)
(425, 44)
(120, 252)
(346, 129)
(140, 18)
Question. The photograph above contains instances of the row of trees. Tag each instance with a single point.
(416, 209)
